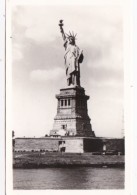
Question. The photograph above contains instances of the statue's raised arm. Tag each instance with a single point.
(61, 29)
(73, 57)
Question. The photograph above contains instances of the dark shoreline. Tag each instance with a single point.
(39, 160)
(41, 166)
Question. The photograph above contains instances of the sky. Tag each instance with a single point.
(38, 71)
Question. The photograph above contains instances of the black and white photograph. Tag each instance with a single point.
(66, 119)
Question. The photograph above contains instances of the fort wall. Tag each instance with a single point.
(69, 144)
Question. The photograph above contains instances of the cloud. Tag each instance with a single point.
(39, 34)
(17, 54)
(36, 23)
(101, 74)
(47, 75)
(41, 23)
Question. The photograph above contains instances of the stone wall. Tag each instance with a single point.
(36, 144)
(104, 144)
(114, 144)
(69, 144)
(74, 146)
(92, 145)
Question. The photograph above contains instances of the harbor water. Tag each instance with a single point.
(68, 178)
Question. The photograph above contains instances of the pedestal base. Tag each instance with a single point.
(72, 115)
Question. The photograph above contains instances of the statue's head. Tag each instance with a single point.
(71, 38)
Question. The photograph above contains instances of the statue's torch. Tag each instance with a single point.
(61, 25)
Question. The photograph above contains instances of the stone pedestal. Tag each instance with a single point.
(72, 114)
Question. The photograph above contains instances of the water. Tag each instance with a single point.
(69, 178)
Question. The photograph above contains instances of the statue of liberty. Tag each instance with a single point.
(73, 57)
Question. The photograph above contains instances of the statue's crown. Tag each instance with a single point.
(71, 35)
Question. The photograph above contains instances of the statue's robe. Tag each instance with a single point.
(71, 59)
